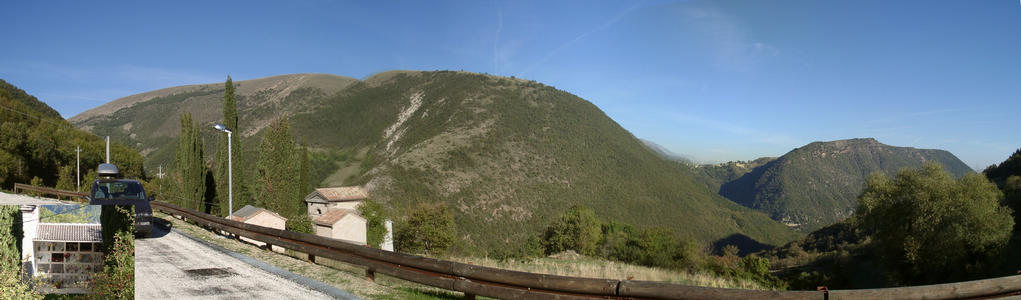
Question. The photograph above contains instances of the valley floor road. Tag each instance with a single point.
(173, 266)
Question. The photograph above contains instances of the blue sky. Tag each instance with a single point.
(714, 80)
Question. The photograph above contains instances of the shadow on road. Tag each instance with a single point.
(160, 228)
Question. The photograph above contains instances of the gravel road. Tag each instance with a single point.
(173, 266)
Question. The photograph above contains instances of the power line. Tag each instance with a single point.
(33, 116)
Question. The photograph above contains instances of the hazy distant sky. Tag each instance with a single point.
(715, 80)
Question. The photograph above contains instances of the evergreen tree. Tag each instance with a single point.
(190, 166)
(304, 187)
(278, 176)
(242, 195)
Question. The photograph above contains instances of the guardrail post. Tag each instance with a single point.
(370, 275)
(468, 296)
(312, 258)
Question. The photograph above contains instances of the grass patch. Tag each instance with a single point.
(595, 268)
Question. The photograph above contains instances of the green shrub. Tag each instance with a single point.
(929, 227)
(117, 281)
(429, 229)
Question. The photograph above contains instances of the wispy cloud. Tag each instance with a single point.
(549, 55)
(731, 47)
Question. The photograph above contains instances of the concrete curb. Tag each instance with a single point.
(302, 280)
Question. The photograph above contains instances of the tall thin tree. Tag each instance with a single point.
(242, 196)
(190, 166)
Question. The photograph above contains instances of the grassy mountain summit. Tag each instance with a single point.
(506, 155)
(149, 121)
(816, 185)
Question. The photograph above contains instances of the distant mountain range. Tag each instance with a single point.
(506, 155)
(817, 184)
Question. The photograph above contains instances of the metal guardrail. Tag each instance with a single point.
(48, 191)
(491, 282)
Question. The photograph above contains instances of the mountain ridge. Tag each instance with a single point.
(817, 184)
(507, 155)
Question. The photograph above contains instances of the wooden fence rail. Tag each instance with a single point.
(499, 283)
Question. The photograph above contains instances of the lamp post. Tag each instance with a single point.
(230, 172)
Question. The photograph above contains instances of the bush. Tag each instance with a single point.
(429, 229)
(578, 229)
(300, 223)
(929, 227)
(117, 281)
(11, 285)
(375, 219)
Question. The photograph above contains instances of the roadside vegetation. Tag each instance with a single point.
(920, 227)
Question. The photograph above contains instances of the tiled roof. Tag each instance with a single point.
(344, 193)
(249, 211)
(69, 232)
(332, 216)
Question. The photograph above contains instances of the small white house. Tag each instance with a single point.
(261, 217)
(322, 200)
(341, 224)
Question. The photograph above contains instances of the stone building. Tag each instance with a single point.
(342, 224)
(324, 199)
(334, 212)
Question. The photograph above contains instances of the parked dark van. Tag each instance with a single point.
(107, 190)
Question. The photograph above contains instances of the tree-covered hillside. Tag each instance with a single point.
(816, 185)
(509, 155)
(506, 155)
(38, 146)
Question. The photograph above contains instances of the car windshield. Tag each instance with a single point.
(118, 190)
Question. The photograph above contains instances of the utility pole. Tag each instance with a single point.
(78, 167)
(160, 174)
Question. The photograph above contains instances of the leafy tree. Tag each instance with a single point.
(929, 227)
(578, 229)
(659, 247)
(191, 173)
(429, 229)
(1010, 166)
(11, 285)
(1012, 196)
(375, 219)
(242, 195)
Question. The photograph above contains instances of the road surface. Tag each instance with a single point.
(170, 265)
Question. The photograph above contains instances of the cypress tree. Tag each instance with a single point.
(190, 166)
(304, 187)
(242, 196)
(278, 176)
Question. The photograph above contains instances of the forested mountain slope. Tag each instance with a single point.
(816, 185)
(507, 155)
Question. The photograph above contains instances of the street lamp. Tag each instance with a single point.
(230, 172)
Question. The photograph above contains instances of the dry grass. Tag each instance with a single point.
(593, 268)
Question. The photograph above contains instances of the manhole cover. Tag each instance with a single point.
(209, 272)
